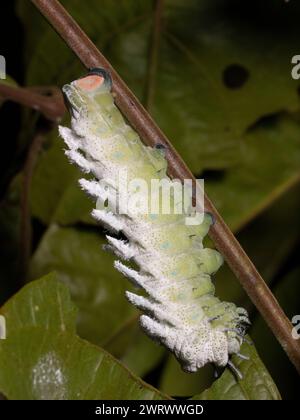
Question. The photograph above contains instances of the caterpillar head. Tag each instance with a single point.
(82, 95)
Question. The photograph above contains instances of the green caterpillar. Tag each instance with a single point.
(174, 269)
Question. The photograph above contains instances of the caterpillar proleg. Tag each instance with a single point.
(181, 310)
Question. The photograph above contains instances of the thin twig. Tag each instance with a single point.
(25, 215)
(224, 240)
(153, 53)
(47, 100)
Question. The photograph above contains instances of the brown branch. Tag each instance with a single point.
(47, 100)
(153, 53)
(224, 240)
(25, 215)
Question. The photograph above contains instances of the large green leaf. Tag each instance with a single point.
(143, 354)
(56, 364)
(268, 240)
(96, 287)
(174, 381)
(134, 348)
(269, 166)
(42, 358)
(256, 384)
(105, 316)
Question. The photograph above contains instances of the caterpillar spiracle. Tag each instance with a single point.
(174, 269)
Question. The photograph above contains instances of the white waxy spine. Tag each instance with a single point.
(174, 268)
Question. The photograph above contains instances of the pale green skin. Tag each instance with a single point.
(184, 313)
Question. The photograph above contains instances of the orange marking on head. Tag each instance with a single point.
(90, 83)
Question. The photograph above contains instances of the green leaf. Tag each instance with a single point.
(143, 354)
(45, 303)
(268, 241)
(96, 287)
(253, 184)
(43, 359)
(256, 384)
(98, 290)
(174, 381)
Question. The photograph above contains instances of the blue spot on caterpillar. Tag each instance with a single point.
(181, 309)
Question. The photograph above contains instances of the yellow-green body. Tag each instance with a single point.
(175, 269)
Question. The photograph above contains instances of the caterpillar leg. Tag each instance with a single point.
(243, 319)
(215, 371)
(243, 316)
(242, 311)
(213, 318)
(238, 333)
(242, 356)
(235, 370)
(247, 341)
